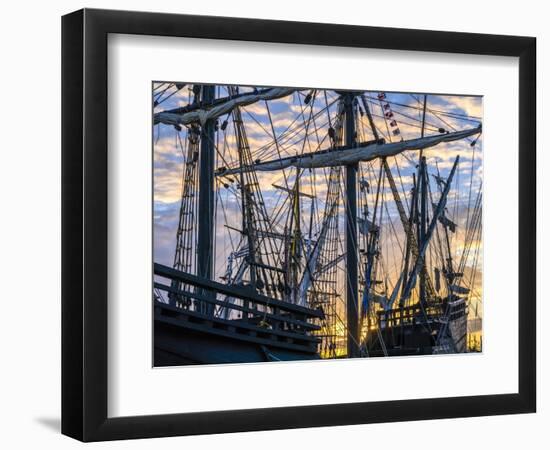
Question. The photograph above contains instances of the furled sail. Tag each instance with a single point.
(201, 115)
(345, 155)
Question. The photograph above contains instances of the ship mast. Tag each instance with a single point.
(423, 208)
(422, 227)
(205, 238)
(352, 305)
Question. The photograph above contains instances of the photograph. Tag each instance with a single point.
(269, 226)
(303, 223)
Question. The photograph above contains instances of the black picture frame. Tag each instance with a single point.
(84, 224)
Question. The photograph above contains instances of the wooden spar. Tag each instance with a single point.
(423, 231)
(423, 207)
(212, 110)
(408, 249)
(372, 240)
(412, 245)
(411, 239)
(419, 263)
(295, 250)
(424, 115)
(205, 238)
(352, 306)
(350, 154)
(216, 102)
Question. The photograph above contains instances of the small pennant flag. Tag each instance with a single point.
(396, 132)
(393, 123)
(386, 106)
(381, 96)
(389, 114)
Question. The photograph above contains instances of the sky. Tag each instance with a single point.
(290, 118)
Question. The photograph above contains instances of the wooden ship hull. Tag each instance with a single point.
(249, 328)
(442, 329)
(180, 343)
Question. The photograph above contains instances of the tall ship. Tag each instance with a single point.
(313, 224)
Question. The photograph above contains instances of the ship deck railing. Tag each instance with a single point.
(410, 315)
(234, 311)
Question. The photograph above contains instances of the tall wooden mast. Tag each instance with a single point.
(205, 239)
(352, 305)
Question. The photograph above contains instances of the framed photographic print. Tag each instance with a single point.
(276, 224)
